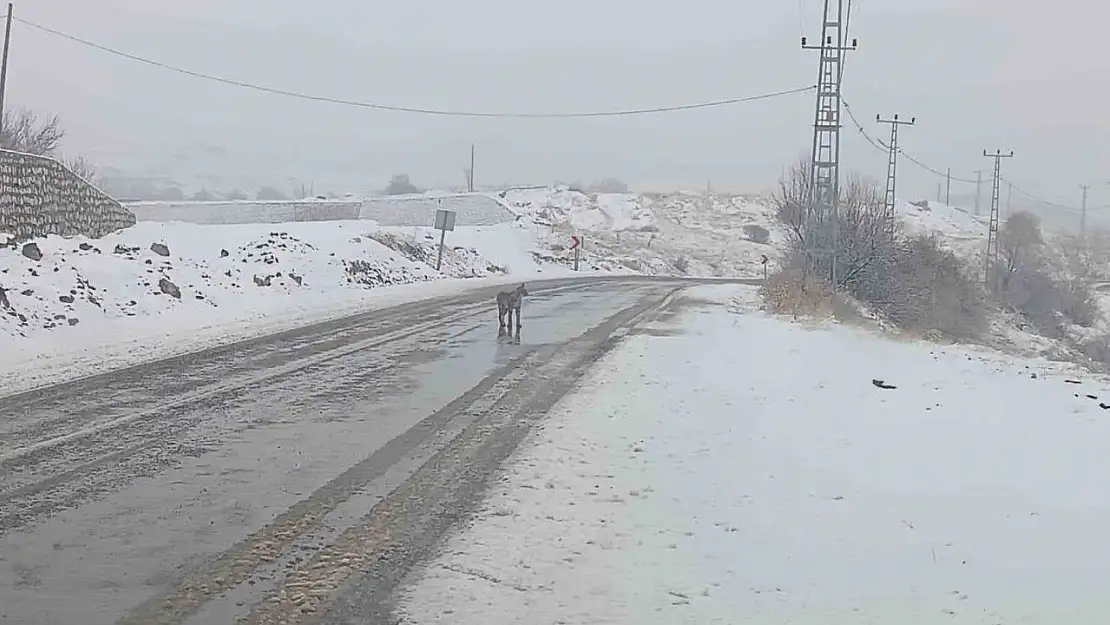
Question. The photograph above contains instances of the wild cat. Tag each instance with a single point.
(508, 302)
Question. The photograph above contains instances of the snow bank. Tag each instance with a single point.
(721, 465)
(75, 306)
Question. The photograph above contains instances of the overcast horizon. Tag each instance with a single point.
(974, 76)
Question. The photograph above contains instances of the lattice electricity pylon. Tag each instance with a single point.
(889, 212)
(825, 157)
(992, 225)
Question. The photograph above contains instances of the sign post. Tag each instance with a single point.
(763, 261)
(576, 245)
(444, 221)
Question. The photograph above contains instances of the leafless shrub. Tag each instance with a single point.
(791, 292)
(1030, 280)
(23, 131)
(1085, 256)
(400, 185)
(914, 283)
(82, 167)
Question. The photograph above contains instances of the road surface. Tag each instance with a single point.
(289, 479)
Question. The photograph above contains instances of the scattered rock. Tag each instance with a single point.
(32, 251)
(883, 385)
(160, 249)
(123, 249)
(262, 280)
(169, 288)
(224, 253)
(4, 298)
(72, 321)
(84, 247)
(67, 299)
(27, 293)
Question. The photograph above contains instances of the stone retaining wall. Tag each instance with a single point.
(40, 196)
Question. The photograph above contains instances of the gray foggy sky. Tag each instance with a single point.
(1014, 74)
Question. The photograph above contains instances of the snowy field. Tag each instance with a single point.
(736, 468)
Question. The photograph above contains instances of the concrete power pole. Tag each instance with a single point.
(978, 187)
(4, 63)
(825, 156)
(889, 212)
(1083, 213)
(470, 175)
(992, 227)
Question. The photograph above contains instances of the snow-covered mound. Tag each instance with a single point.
(655, 234)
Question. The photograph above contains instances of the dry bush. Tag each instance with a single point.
(23, 131)
(789, 292)
(914, 282)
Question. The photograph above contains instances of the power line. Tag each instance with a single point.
(411, 109)
(878, 144)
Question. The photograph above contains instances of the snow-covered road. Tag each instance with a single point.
(735, 468)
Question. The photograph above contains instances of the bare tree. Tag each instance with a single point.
(82, 167)
(23, 131)
(1019, 243)
(400, 185)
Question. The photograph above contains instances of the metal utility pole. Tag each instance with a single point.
(892, 169)
(948, 187)
(978, 187)
(4, 63)
(1083, 214)
(992, 228)
(825, 157)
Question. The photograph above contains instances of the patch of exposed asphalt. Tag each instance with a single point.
(364, 563)
(358, 573)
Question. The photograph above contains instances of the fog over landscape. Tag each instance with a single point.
(975, 74)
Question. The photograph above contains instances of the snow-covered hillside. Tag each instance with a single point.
(657, 234)
(962, 231)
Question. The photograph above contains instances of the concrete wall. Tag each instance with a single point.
(245, 211)
(40, 196)
(472, 209)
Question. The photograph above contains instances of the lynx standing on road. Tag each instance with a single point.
(508, 302)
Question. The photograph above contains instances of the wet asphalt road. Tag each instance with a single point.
(291, 479)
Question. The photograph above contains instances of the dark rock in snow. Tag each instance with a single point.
(883, 385)
(224, 253)
(68, 299)
(32, 251)
(160, 249)
(4, 298)
(169, 288)
(85, 247)
(72, 321)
